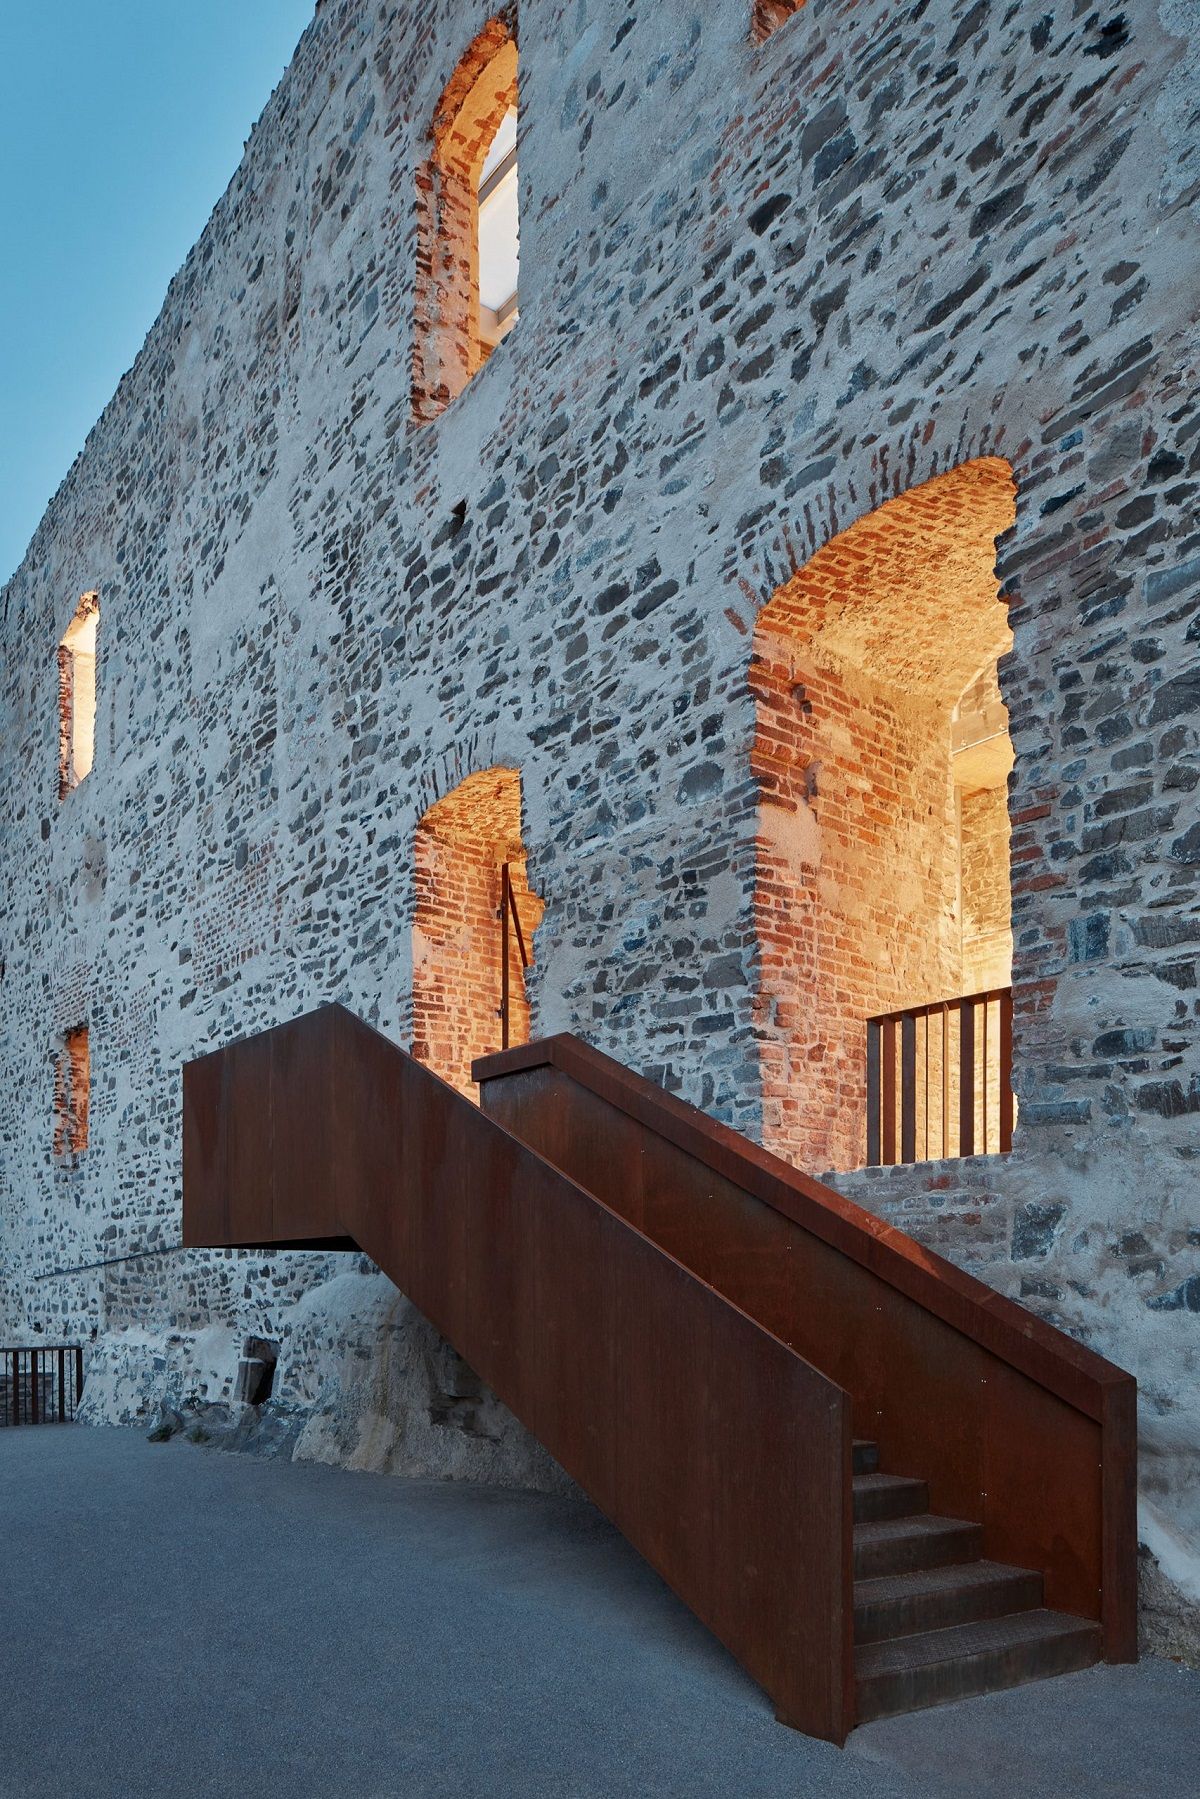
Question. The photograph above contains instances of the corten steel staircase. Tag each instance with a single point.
(690, 1327)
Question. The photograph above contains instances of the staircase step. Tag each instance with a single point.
(888, 1496)
(866, 1455)
(934, 1666)
(896, 1605)
(901, 1545)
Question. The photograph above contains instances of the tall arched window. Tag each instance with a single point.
(466, 299)
(882, 757)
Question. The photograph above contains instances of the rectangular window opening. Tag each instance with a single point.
(72, 1092)
(77, 695)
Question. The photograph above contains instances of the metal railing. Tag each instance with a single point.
(40, 1384)
(939, 1080)
(508, 908)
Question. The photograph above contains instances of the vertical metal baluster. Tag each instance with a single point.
(518, 934)
(504, 956)
(873, 1035)
(986, 1027)
(927, 1083)
(62, 1386)
(889, 1091)
(908, 1087)
(516, 919)
(945, 1080)
(1006, 1070)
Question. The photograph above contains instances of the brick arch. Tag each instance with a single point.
(461, 844)
(447, 344)
(862, 661)
(767, 16)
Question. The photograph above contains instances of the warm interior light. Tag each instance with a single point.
(882, 756)
(77, 694)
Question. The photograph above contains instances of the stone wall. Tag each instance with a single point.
(765, 287)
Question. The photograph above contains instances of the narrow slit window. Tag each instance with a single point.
(77, 695)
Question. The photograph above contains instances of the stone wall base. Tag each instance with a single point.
(363, 1381)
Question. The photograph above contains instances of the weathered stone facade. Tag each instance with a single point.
(778, 265)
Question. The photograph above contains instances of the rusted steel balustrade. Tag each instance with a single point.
(933, 1075)
(722, 1456)
(1013, 1424)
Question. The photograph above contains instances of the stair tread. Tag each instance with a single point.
(951, 1577)
(959, 1642)
(918, 1524)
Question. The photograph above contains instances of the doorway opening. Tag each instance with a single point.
(473, 927)
(882, 894)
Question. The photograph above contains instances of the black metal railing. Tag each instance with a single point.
(939, 1080)
(508, 909)
(40, 1384)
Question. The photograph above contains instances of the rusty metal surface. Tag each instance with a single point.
(890, 1107)
(1013, 1424)
(719, 1452)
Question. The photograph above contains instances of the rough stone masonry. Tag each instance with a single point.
(779, 266)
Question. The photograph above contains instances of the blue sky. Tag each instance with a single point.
(121, 123)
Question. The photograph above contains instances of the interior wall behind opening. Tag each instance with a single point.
(462, 846)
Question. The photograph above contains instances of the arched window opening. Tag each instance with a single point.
(768, 15)
(473, 926)
(77, 695)
(882, 897)
(468, 257)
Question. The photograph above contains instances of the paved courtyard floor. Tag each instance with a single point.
(178, 1621)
